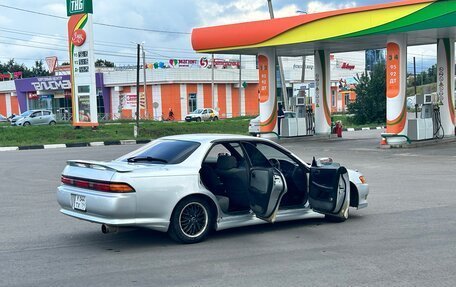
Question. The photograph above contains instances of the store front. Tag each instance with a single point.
(54, 94)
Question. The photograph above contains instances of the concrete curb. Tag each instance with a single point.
(71, 145)
(362, 129)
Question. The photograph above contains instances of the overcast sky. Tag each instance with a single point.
(28, 37)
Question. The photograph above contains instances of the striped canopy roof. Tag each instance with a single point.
(342, 30)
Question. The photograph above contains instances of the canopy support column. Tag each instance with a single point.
(322, 92)
(396, 81)
(267, 90)
(445, 83)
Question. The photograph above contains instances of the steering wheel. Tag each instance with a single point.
(275, 163)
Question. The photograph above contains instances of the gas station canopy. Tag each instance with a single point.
(354, 29)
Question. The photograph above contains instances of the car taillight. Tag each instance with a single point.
(362, 179)
(114, 187)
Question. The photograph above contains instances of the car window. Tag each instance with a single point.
(257, 159)
(171, 151)
(36, 114)
(271, 152)
(46, 113)
(225, 148)
(215, 152)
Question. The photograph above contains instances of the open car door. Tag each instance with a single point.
(267, 185)
(329, 187)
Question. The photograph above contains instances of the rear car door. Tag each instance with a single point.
(267, 184)
(328, 188)
(205, 115)
(46, 117)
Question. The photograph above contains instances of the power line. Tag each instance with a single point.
(97, 23)
(98, 43)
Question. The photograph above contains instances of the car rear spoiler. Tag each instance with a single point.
(99, 165)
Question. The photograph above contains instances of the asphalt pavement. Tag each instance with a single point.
(406, 237)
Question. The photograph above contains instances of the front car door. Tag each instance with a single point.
(329, 186)
(36, 118)
(267, 184)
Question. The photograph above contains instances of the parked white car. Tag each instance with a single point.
(205, 114)
(188, 185)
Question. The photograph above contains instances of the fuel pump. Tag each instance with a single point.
(300, 121)
(428, 124)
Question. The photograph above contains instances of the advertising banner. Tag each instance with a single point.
(82, 61)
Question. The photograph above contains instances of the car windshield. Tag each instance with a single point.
(197, 111)
(163, 152)
(27, 113)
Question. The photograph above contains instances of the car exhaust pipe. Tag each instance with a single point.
(109, 229)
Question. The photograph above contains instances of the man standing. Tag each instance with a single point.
(280, 116)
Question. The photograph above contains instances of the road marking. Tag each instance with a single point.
(97, 144)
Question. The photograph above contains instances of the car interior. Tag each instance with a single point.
(225, 172)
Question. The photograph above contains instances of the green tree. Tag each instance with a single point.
(370, 104)
(104, 63)
(39, 70)
(12, 66)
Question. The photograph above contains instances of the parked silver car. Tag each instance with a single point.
(34, 117)
(188, 185)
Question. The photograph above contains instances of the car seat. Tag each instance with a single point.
(234, 176)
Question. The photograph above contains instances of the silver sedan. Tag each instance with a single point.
(188, 185)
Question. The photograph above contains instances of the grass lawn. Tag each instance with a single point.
(59, 134)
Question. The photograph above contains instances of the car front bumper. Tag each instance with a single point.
(363, 192)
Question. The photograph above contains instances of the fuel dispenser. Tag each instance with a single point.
(427, 124)
(301, 121)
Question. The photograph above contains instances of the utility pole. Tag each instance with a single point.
(279, 60)
(136, 130)
(145, 81)
(240, 84)
(212, 82)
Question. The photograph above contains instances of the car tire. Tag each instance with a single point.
(52, 123)
(198, 119)
(26, 124)
(191, 221)
(215, 119)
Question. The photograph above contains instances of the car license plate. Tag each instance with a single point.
(79, 202)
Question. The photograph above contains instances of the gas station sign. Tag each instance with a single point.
(82, 61)
(75, 7)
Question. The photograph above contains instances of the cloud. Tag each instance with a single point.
(317, 6)
(240, 11)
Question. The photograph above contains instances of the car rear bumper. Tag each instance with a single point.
(107, 208)
(101, 207)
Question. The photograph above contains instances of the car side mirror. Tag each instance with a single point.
(324, 161)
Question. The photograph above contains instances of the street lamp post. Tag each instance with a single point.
(279, 60)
